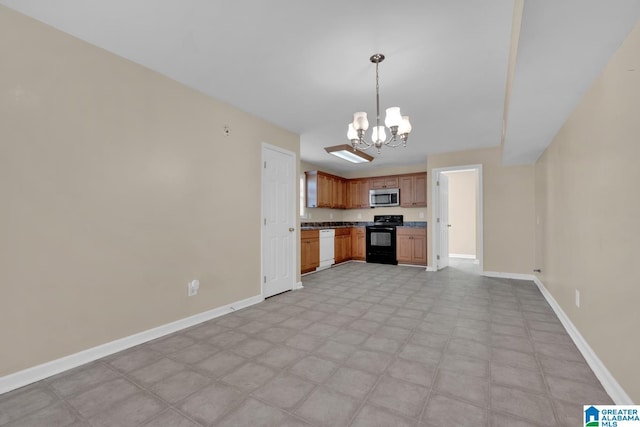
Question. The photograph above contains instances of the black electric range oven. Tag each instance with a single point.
(381, 239)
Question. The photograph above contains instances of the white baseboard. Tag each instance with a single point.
(45, 370)
(612, 387)
(429, 268)
(464, 256)
(411, 265)
(515, 276)
(297, 286)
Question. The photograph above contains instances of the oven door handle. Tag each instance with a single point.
(382, 228)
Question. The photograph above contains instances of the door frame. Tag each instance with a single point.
(435, 208)
(293, 207)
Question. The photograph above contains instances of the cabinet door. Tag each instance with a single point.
(312, 189)
(376, 183)
(338, 252)
(358, 243)
(406, 191)
(419, 249)
(420, 190)
(404, 249)
(390, 181)
(413, 190)
(314, 252)
(339, 193)
(346, 247)
(412, 245)
(324, 191)
(305, 258)
(309, 250)
(364, 193)
(353, 195)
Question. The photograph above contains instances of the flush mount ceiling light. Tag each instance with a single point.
(347, 152)
(397, 124)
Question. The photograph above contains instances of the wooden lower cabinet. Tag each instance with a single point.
(412, 245)
(358, 243)
(342, 245)
(309, 250)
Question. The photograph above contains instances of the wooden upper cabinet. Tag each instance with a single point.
(358, 194)
(413, 190)
(390, 181)
(339, 193)
(325, 190)
(353, 196)
(330, 191)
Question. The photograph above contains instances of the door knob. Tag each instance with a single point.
(448, 225)
(291, 229)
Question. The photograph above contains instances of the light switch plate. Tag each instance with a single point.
(192, 287)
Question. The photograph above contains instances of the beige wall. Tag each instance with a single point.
(508, 201)
(462, 212)
(118, 187)
(589, 210)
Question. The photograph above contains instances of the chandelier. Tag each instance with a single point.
(398, 125)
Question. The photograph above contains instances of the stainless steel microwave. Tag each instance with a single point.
(384, 197)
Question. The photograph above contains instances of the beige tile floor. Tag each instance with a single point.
(360, 345)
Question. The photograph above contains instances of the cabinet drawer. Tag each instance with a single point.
(343, 231)
(309, 234)
(411, 231)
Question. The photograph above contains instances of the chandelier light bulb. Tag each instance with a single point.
(393, 117)
(352, 133)
(360, 121)
(405, 126)
(378, 135)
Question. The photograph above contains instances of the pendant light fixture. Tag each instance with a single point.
(399, 126)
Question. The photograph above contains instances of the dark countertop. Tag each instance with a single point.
(325, 225)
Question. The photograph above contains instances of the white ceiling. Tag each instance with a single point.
(305, 65)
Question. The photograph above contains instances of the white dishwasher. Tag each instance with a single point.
(326, 249)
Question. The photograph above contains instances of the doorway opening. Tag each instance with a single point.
(457, 217)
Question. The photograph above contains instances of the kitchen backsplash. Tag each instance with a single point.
(362, 215)
(334, 224)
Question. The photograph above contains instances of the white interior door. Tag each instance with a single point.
(443, 221)
(278, 222)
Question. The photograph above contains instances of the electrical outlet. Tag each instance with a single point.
(330, 216)
(192, 287)
(359, 216)
(421, 215)
(577, 298)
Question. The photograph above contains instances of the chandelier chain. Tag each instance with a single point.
(377, 95)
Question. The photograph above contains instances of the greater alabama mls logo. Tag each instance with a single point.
(611, 416)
